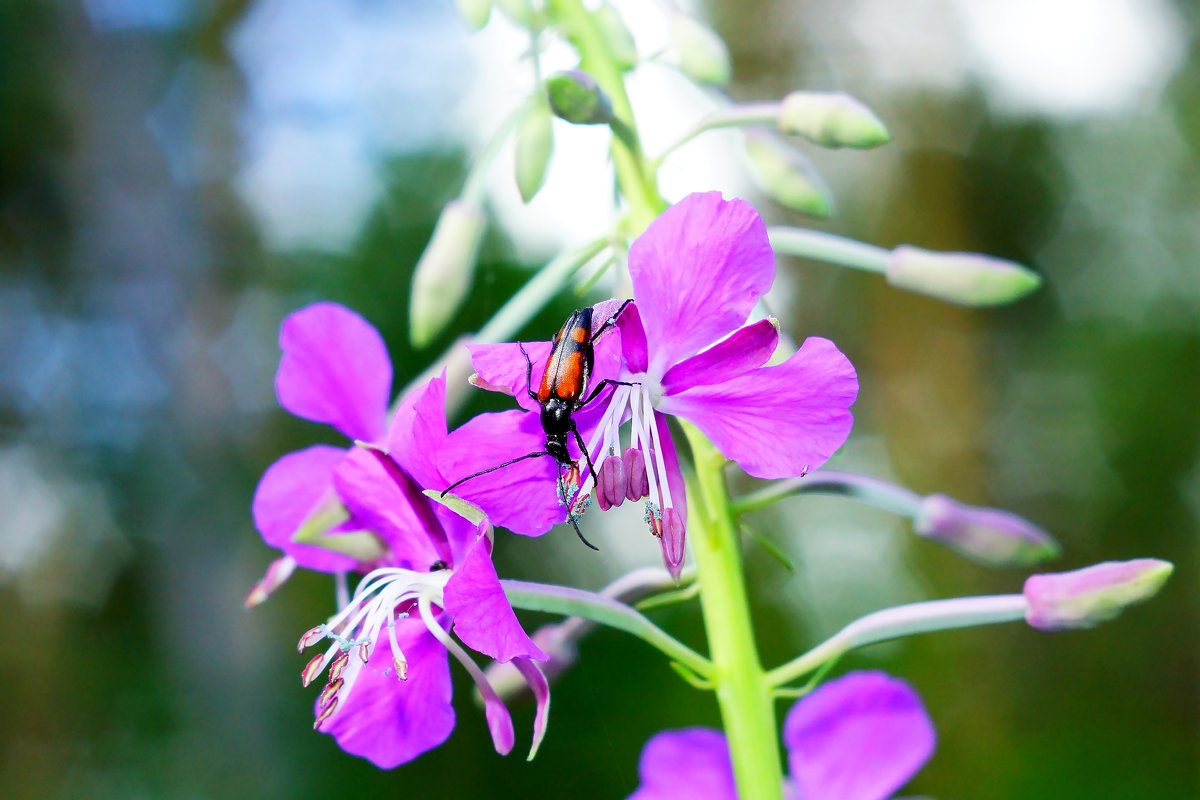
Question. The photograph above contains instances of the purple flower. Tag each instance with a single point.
(335, 369)
(697, 272)
(388, 693)
(860, 737)
(429, 571)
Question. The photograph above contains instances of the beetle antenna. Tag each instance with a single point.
(461, 481)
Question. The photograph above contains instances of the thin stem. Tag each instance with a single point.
(476, 182)
(907, 620)
(536, 292)
(636, 181)
(873, 491)
(730, 117)
(827, 247)
(743, 694)
(606, 611)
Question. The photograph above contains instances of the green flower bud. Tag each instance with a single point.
(535, 143)
(786, 175)
(475, 12)
(576, 97)
(703, 56)
(831, 119)
(968, 279)
(519, 11)
(617, 36)
(1086, 597)
(444, 273)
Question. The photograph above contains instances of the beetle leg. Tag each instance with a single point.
(608, 323)
(600, 387)
(492, 469)
(528, 374)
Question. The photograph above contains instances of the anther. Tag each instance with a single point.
(311, 637)
(325, 714)
(312, 669)
(338, 666)
(331, 689)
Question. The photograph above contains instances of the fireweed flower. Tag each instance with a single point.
(860, 737)
(335, 369)
(697, 272)
(387, 696)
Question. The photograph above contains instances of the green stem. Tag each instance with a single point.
(892, 623)
(476, 182)
(744, 696)
(827, 247)
(636, 181)
(598, 608)
(731, 117)
(872, 491)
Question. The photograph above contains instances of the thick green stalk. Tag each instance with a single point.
(595, 58)
(747, 705)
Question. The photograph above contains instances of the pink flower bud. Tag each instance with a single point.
(1086, 597)
(985, 535)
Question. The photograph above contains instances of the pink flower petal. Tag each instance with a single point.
(775, 422)
(390, 504)
(389, 721)
(860, 737)
(697, 272)
(502, 368)
(417, 431)
(520, 497)
(688, 764)
(288, 492)
(483, 618)
(335, 369)
(633, 340)
(746, 349)
(541, 694)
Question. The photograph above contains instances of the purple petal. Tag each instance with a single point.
(746, 349)
(541, 694)
(483, 618)
(417, 431)
(633, 340)
(776, 422)
(391, 505)
(502, 368)
(697, 272)
(335, 369)
(289, 491)
(521, 496)
(388, 721)
(688, 764)
(860, 737)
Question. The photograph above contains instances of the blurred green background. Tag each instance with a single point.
(177, 175)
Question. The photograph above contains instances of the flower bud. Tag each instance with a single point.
(672, 540)
(535, 143)
(786, 175)
(443, 274)
(831, 119)
(968, 279)
(475, 12)
(985, 535)
(519, 11)
(576, 97)
(1086, 597)
(703, 56)
(612, 483)
(618, 38)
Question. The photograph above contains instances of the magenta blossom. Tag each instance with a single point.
(388, 693)
(335, 369)
(698, 272)
(860, 737)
